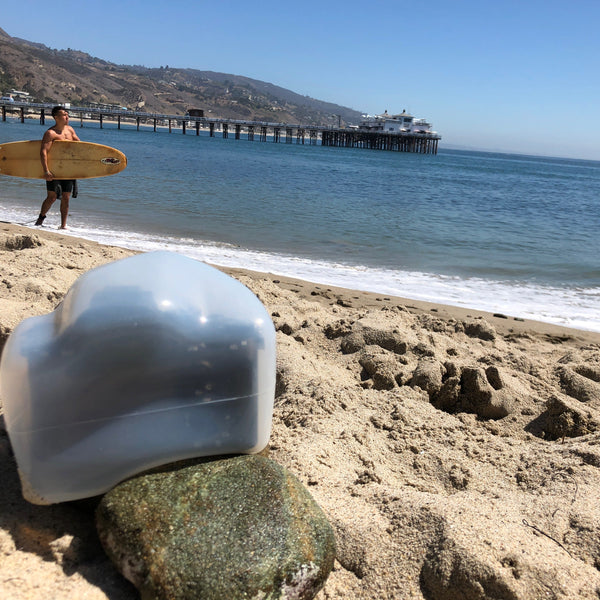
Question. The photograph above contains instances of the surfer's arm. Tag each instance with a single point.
(46, 143)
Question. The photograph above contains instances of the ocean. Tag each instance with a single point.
(511, 234)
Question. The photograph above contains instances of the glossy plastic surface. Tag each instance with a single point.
(148, 360)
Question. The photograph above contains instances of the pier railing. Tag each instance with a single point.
(424, 143)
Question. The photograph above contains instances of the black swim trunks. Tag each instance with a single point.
(65, 185)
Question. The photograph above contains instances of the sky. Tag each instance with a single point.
(502, 75)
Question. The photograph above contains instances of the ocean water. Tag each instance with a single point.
(504, 233)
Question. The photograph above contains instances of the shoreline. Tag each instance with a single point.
(502, 318)
(439, 441)
(505, 324)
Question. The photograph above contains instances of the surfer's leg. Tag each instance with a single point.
(46, 204)
(64, 209)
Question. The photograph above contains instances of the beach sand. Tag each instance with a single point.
(428, 500)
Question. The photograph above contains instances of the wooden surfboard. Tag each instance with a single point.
(66, 160)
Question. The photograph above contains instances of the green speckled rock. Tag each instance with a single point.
(240, 527)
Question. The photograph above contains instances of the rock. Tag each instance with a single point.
(240, 527)
(568, 418)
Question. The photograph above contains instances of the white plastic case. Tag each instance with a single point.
(148, 360)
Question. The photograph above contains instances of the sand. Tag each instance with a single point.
(428, 500)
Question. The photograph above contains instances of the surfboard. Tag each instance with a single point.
(66, 160)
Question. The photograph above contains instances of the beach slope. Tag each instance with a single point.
(456, 453)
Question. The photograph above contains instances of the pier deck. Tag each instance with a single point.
(424, 143)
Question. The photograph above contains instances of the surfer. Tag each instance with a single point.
(56, 188)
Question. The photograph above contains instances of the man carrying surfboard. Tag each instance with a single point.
(55, 187)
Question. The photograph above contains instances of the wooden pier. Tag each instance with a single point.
(423, 143)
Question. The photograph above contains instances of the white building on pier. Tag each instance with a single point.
(400, 123)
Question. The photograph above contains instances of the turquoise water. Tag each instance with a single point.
(505, 233)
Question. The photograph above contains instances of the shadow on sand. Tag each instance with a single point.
(61, 533)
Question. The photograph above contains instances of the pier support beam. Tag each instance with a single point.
(250, 133)
(371, 140)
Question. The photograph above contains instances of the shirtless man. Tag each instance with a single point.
(61, 131)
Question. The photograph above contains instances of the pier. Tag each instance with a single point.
(423, 143)
(351, 137)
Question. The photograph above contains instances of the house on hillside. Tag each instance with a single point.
(20, 96)
(195, 112)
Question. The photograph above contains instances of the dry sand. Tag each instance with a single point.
(425, 503)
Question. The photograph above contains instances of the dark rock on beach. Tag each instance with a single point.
(241, 527)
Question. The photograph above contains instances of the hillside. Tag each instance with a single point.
(51, 75)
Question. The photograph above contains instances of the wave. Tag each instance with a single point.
(575, 307)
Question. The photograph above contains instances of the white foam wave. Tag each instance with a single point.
(577, 308)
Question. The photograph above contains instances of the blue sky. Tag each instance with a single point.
(514, 76)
